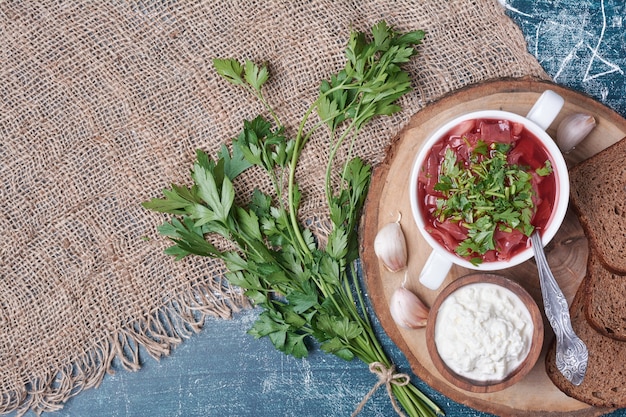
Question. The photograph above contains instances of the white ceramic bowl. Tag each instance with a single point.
(441, 259)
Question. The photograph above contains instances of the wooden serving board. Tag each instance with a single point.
(567, 253)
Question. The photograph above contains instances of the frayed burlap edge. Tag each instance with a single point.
(157, 334)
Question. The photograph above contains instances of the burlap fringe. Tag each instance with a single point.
(157, 334)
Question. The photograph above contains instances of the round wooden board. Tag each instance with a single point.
(567, 253)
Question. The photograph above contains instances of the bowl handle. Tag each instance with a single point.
(435, 270)
(545, 109)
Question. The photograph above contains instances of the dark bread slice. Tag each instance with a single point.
(598, 194)
(605, 299)
(604, 384)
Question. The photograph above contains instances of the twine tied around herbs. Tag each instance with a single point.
(386, 376)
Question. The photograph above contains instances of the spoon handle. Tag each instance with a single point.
(554, 302)
(572, 354)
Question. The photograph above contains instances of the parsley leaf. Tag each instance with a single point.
(230, 70)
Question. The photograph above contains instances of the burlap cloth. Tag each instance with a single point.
(103, 105)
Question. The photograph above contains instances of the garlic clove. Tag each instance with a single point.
(407, 310)
(573, 129)
(390, 247)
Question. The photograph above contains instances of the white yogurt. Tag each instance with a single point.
(483, 331)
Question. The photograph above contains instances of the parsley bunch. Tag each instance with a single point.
(306, 290)
(486, 194)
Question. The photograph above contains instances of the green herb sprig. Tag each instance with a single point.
(306, 290)
(484, 195)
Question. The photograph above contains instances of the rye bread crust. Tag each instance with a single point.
(598, 194)
(604, 384)
(604, 302)
(598, 312)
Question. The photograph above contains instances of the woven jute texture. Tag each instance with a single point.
(103, 105)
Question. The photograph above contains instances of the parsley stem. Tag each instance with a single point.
(432, 409)
(494, 194)
(332, 153)
(259, 95)
(357, 284)
(301, 140)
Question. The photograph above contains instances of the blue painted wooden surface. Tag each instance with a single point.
(224, 372)
(580, 43)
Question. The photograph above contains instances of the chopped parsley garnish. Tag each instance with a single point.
(486, 194)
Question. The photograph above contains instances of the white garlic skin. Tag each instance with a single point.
(407, 310)
(573, 129)
(390, 247)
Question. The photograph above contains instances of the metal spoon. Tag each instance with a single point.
(571, 352)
